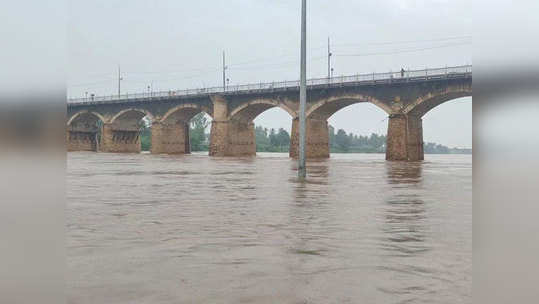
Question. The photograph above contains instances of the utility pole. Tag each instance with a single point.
(329, 61)
(119, 80)
(224, 72)
(302, 171)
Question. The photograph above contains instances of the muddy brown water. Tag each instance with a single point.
(194, 229)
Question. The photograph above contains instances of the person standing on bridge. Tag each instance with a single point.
(402, 72)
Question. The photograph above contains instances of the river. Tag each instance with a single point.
(143, 228)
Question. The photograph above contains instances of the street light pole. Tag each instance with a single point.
(302, 172)
(119, 80)
(224, 72)
(329, 61)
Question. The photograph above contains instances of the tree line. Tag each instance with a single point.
(272, 140)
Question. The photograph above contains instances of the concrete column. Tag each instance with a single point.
(317, 138)
(404, 138)
(119, 141)
(81, 140)
(170, 138)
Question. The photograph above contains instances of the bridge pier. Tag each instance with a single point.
(241, 139)
(404, 138)
(170, 138)
(232, 138)
(120, 141)
(317, 141)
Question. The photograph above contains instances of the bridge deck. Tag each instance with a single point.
(464, 71)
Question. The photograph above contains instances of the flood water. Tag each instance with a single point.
(194, 229)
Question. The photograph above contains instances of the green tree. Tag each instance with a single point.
(261, 138)
(283, 140)
(197, 132)
(342, 140)
(145, 134)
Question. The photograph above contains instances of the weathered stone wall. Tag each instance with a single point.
(404, 138)
(81, 141)
(415, 138)
(119, 141)
(218, 138)
(170, 138)
(241, 139)
(219, 127)
(317, 141)
(232, 138)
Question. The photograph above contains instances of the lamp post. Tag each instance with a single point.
(120, 78)
(224, 72)
(329, 60)
(302, 172)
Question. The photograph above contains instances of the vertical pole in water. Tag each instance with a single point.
(302, 172)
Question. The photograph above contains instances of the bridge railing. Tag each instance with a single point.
(359, 78)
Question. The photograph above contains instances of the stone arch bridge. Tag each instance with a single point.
(404, 96)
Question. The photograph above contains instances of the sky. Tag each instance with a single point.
(177, 44)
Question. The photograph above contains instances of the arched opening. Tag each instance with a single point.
(199, 133)
(359, 127)
(146, 134)
(84, 131)
(330, 129)
(259, 126)
(447, 127)
(272, 131)
(405, 131)
(126, 130)
(182, 130)
(325, 108)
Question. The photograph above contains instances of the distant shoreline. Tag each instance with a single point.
(467, 152)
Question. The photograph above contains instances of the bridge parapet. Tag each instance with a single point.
(284, 86)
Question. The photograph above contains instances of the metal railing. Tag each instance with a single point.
(409, 75)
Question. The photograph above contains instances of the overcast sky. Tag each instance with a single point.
(177, 44)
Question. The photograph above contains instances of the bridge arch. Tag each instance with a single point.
(83, 131)
(425, 103)
(248, 111)
(405, 129)
(240, 128)
(325, 108)
(172, 134)
(185, 112)
(79, 114)
(130, 114)
(123, 132)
